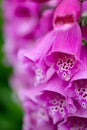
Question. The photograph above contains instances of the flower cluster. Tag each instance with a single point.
(44, 44)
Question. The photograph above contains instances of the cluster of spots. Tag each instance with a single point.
(76, 123)
(59, 20)
(55, 102)
(66, 66)
(81, 92)
(39, 76)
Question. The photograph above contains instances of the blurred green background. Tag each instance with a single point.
(11, 112)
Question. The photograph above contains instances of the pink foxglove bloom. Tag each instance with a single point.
(78, 88)
(19, 9)
(22, 17)
(43, 43)
(36, 117)
(73, 123)
(65, 53)
(25, 28)
(54, 100)
(67, 12)
(21, 21)
(36, 56)
(56, 104)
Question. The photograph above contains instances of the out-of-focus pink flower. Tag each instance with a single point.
(22, 17)
(84, 8)
(20, 10)
(73, 123)
(67, 12)
(21, 21)
(65, 53)
(24, 29)
(45, 23)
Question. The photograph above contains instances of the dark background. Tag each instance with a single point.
(11, 112)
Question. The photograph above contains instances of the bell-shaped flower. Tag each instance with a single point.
(19, 9)
(52, 97)
(78, 87)
(36, 56)
(64, 56)
(73, 123)
(66, 13)
(36, 117)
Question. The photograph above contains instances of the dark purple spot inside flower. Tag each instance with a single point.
(64, 20)
(22, 12)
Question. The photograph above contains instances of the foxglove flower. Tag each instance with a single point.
(67, 13)
(73, 123)
(25, 15)
(36, 117)
(78, 88)
(54, 100)
(19, 9)
(49, 61)
(65, 53)
(36, 56)
(25, 28)
(18, 31)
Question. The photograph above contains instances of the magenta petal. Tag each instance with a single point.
(67, 13)
(42, 47)
(36, 56)
(82, 73)
(53, 98)
(57, 105)
(78, 88)
(65, 53)
(36, 117)
(73, 123)
(46, 20)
